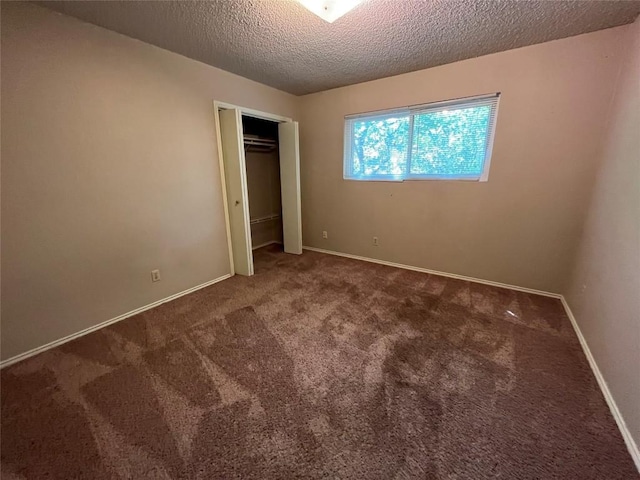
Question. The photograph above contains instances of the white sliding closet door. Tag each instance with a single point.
(235, 174)
(290, 187)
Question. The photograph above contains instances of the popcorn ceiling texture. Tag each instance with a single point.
(280, 43)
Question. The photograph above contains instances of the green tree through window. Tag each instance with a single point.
(380, 146)
(450, 140)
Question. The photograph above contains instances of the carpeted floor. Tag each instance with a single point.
(318, 367)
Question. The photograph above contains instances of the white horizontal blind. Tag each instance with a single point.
(444, 140)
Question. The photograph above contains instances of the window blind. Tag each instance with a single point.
(445, 140)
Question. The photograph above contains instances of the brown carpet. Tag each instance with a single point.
(318, 367)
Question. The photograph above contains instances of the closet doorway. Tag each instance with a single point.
(260, 168)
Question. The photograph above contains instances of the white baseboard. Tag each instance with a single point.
(68, 338)
(617, 416)
(634, 451)
(265, 244)
(435, 272)
(622, 426)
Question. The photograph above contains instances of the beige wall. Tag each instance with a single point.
(109, 170)
(263, 185)
(604, 290)
(520, 227)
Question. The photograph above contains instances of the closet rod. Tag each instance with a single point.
(260, 146)
(254, 148)
(268, 218)
(251, 140)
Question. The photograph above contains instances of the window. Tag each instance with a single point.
(449, 140)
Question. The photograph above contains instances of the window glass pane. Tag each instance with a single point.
(450, 142)
(379, 146)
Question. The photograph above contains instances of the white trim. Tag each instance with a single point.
(436, 272)
(491, 137)
(289, 143)
(73, 336)
(245, 189)
(250, 112)
(632, 447)
(489, 100)
(421, 106)
(217, 106)
(223, 184)
(266, 244)
(617, 416)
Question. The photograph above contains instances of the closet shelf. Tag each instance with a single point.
(254, 142)
(267, 218)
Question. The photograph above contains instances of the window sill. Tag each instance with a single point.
(417, 179)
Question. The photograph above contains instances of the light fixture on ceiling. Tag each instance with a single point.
(330, 10)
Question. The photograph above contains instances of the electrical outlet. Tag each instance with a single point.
(375, 241)
(324, 234)
(155, 275)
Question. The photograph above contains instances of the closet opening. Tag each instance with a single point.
(259, 158)
(262, 160)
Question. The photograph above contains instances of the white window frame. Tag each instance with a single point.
(492, 99)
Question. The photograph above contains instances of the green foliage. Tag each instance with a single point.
(444, 143)
(380, 146)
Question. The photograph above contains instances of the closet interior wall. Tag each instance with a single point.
(263, 180)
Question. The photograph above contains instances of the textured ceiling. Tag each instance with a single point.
(280, 43)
